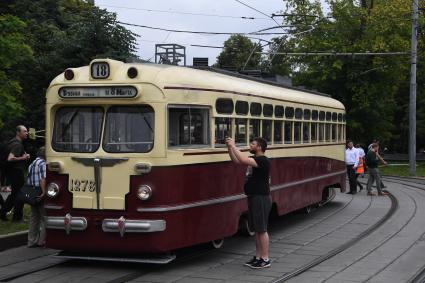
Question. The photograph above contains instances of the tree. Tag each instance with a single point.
(237, 50)
(367, 85)
(63, 34)
(13, 49)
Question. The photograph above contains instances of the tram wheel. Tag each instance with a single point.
(247, 228)
(217, 243)
(308, 209)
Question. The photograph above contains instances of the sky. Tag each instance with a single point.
(168, 15)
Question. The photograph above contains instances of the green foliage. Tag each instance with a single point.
(62, 34)
(12, 51)
(237, 50)
(372, 88)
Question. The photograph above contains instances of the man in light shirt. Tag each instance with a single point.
(351, 160)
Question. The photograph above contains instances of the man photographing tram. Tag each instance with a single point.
(258, 192)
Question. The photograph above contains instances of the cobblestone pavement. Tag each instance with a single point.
(392, 253)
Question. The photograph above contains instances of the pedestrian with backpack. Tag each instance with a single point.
(14, 169)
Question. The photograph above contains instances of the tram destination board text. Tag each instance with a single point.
(98, 92)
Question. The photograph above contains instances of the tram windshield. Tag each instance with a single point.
(129, 129)
(77, 129)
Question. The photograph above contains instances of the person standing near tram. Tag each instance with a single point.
(257, 189)
(15, 167)
(351, 161)
(361, 165)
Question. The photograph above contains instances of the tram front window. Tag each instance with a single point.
(129, 129)
(77, 129)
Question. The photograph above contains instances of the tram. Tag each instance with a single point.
(137, 163)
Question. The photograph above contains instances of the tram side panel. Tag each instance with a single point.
(198, 202)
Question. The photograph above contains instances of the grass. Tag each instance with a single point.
(402, 170)
(7, 227)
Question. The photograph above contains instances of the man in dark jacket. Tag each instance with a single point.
(372, 162)
(15, 167)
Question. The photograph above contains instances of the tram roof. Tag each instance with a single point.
(178, 77)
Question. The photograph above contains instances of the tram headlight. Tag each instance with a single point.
(52, 190)
(144, 192)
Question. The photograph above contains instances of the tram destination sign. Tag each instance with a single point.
(98, 92)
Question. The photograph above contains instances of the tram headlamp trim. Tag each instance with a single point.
(52, 190)
(144, 192)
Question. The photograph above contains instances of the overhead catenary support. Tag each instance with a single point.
(412, 100)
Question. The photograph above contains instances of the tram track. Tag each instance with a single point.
(341, 248)
(203, 252)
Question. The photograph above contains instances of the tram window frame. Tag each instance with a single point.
(328, 116)
(279, 111)
(297, 132)
(307, 114)
(315, 115)
(242, 107)
(254, 128)
(220, 124)
(289, 112)
(339, 117)
(288, 125)
(205, 113)
(306, 132)
(268, 110)
(278, 131)
(327, 132)
(333, 131)
(334, 116)
(255, 109)
(298, 113)
(322, 115)
(313, 133)
(241, 136)
(82, 146)
(340, 134)
(266, 130)
(224, 106)
(321, 132)
(131, 141)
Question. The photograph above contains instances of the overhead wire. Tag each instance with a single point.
(186, 13)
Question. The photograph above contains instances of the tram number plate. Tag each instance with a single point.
(82, 185)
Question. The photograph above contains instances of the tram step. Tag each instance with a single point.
(153, 259)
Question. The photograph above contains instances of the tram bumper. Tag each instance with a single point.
(109, 225)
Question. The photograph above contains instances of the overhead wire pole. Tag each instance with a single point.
(412, 100)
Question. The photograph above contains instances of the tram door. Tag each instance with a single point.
(102, 142)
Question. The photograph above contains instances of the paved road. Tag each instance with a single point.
(392, 253)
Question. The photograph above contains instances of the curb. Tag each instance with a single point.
(13, 240)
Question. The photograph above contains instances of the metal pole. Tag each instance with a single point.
(412, 101)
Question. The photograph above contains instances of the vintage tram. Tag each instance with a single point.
(137, 162)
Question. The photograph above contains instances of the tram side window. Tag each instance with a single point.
(340, 133)
(306, 132)
(240, 135)
(333, 132)
(321, 132)
(254, 129)
(188, 126)
(77, 129)
(277, 134)
(267, 131)
(328, 132)
(313, 132)
(297, 132)
(223, 129)
(129, 129)
(288, 132)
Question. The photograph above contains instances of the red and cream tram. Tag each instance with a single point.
(137, 162)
